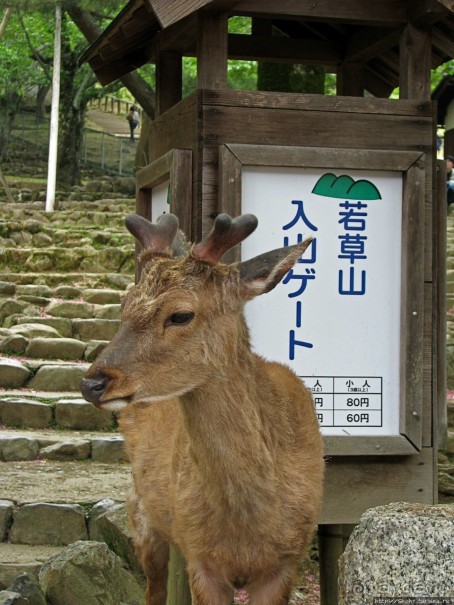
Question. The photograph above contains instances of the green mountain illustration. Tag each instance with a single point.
(330, 185)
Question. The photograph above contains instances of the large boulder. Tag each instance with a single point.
(113, 526)
(398, 550)
(88, 573)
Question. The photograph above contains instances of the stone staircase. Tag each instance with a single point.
(64, 473)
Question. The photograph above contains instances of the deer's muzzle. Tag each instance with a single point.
(93, 388)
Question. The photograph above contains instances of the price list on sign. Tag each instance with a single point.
(347, 401)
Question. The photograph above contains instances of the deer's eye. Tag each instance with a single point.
(180, 318)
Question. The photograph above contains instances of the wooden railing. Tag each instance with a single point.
(111, 104)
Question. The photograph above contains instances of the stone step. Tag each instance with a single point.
(84, 279)
(56, 482)
(32, 305)
(47, 409)
(55, 338)
(64, 446)
(114, 206)
(97, 296)
(18, 234)
(42, 374)
(63, 218)
(83, 259)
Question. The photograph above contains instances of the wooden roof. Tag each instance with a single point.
(326, 32)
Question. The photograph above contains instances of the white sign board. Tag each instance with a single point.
(335, 318)
(160, 200)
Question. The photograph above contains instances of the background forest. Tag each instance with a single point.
(26, 57)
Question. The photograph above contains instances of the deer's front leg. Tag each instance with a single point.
(152, 552)
(274, 588)
(207, 588)
(155, 565)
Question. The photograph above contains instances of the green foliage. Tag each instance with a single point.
(18, 70)
(446, 69)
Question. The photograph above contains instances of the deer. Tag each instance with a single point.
(225, 447)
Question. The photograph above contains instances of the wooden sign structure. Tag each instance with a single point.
(357, 171)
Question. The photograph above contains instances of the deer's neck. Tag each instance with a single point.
(227, 437)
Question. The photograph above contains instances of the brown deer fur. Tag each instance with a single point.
(225, 447)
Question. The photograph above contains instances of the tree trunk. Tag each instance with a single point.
(72, 116)
(12, 100)
(41, 100)
(72, 121)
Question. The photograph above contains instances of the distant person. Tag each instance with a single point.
(450, 178)
(133, 119)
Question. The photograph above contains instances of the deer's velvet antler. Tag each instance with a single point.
(157, 236)
(225, 234)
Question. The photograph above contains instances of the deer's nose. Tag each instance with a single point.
(93, 388)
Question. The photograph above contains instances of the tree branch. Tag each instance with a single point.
(35, 54)
(137, 86)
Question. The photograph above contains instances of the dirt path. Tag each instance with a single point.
(59, 482)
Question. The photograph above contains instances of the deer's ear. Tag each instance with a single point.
(262, 273)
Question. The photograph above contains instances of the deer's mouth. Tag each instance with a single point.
(113, 405)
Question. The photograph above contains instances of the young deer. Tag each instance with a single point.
(225, 447)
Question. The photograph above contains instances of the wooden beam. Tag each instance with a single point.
(385, 12)
(443, 42)
(376, 85)
(282, 50)
(369, 43)
(449, 4)
(427, 12)
(176, 38)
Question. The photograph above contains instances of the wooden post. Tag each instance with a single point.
(350, 80)
(212, 50)
(332, 540)
(169, 79)
(415, 63)
(178, 592)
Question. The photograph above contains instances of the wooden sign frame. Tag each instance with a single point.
(233, 158)
(176, 167)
